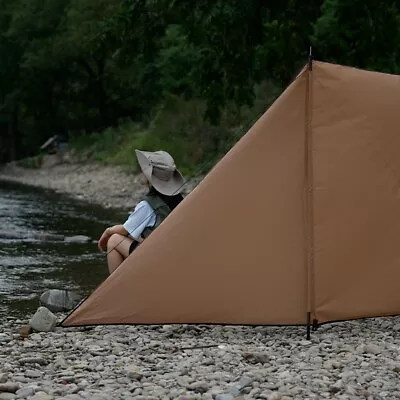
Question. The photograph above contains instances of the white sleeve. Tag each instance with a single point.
(142, 217)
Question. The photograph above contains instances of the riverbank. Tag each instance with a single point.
(107, 186)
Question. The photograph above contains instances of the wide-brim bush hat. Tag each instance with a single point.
(160, 170)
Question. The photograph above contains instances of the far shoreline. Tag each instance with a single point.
(107, 186)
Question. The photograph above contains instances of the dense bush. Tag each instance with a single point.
(190, 77)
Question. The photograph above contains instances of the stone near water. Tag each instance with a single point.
(57, 300)
(43, 320)
(77, 239)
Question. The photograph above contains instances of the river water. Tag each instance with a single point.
(28, 267)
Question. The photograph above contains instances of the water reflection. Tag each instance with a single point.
(28, 267)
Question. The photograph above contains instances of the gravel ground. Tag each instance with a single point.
(351, 360)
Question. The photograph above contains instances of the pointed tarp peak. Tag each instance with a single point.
(300, 216)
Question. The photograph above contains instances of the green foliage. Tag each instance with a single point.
(178, 127)
(368, 38)
(189, 77)
(287, 31)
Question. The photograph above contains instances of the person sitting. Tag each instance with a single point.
(165, 184)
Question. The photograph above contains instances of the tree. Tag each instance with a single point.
(363, 34)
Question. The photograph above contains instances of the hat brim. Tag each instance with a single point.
(169, 188)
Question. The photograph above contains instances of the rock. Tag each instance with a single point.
(32, 374)
(60, 362)
(9, 387)
(25, 392)
(238, 387)
(83, 384)
(42, 396)
(4, 338)
(32, 360)
(77, 239)
(133, 372)
(3, 378)
(25, 331)
(57, 300)
(7, 396)
(198, 387)
(185, 397)
(43, 320)
(256, 358)
(372, 349)
(224, 396)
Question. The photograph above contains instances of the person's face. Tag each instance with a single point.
(145, 182)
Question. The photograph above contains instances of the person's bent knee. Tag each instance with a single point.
(114, 241)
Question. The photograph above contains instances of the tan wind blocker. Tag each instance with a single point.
(301, 217)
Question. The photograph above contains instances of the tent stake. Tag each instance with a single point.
(308, 326)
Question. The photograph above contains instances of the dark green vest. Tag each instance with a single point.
(161, 209)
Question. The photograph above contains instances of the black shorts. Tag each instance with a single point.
(133, 246)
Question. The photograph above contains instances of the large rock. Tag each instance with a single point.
(57, 300)
(43, 320)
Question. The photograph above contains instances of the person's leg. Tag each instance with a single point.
(117, 250)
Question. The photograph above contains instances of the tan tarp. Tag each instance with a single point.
(301, 216)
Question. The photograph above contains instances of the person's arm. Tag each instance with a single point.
(116, 229)
(108, 233)
(142, 217)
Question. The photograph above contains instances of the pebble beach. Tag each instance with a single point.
(348, 360)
